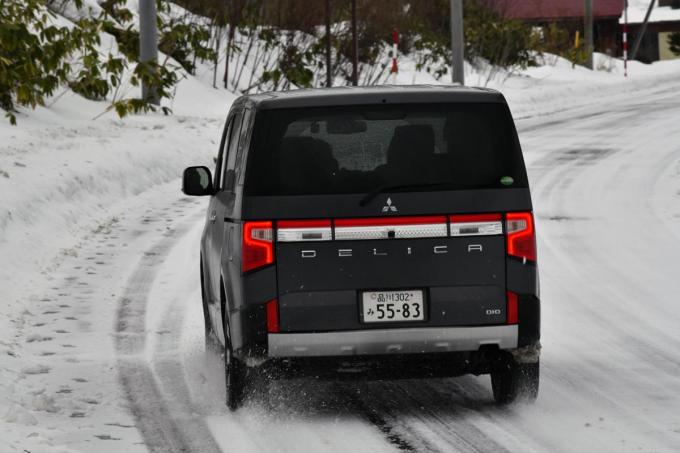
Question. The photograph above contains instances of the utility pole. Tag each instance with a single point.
(148, 43)
(329, 75)
(457, 42)
(588, 35)
(395, 51)
(355, 46)
(641, 33)
(625, 38)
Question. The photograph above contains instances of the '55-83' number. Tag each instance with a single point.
(385, 306)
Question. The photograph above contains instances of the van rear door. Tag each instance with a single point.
(390, 271)
(427, 249)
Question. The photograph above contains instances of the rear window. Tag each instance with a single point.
(358, 149)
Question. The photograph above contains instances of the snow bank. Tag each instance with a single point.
(556, 84)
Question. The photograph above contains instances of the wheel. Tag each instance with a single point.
(515, 382)
(234, 379)
(235, 375)
(234, 370)
(242, 382)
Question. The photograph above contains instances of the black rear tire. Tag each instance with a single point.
(234, 378)
(515, 382)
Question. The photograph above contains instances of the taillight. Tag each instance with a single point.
(303, 230)
(273, 316)
(513, 309)
(476, 225)
(521, 235)
(258, 246)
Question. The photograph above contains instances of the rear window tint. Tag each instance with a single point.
(338, 150)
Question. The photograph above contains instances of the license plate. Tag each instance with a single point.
(393, 306)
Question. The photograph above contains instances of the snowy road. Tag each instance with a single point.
(606, 188)
(605, 183)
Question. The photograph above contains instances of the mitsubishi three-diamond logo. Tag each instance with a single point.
(389, 207)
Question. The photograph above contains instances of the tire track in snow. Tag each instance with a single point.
(558, 174)
(374, 417)
(416, 418)
(160, 429)
(560, 186)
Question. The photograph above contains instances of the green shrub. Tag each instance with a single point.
(557, 40)
(38, 56)
(501, 42)
(674, 42)
(489, 38)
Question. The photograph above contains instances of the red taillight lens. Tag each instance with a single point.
(513, 310)
(303, 224)
(273, 316)
(258, 246)
(474, 218)
(521, 235)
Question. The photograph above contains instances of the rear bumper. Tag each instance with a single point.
(391, 341)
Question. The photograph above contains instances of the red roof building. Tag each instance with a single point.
(558, 10)
(569, 14)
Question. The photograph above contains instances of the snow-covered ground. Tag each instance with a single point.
(101, 343)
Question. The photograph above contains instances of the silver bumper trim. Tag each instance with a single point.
(391, 341)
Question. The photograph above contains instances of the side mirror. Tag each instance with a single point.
(197, 181)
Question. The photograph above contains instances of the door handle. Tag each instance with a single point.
(213, 216)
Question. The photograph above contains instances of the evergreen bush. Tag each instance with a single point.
(674, 42)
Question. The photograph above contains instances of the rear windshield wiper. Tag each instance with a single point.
(389, 187)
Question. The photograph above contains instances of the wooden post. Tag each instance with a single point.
(588, 33)
(355, 46)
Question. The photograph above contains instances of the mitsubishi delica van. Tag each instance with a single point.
(384, 232)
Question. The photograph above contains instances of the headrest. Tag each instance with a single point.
(410, 144)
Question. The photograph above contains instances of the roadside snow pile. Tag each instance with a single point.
(559, 86)
(63, 178)
(66, 164)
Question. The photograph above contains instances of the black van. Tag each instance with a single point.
(378, 231)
